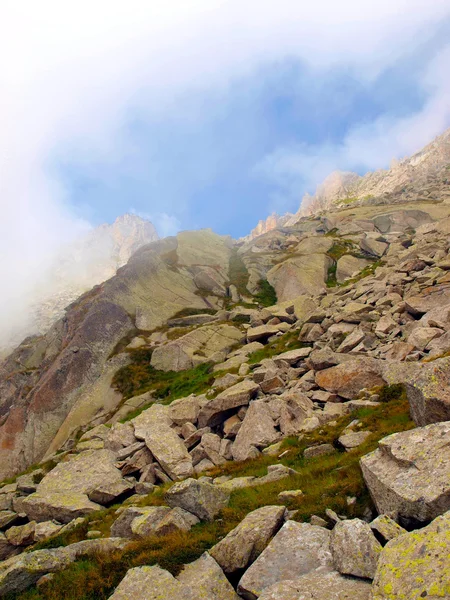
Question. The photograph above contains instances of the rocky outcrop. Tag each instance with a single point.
(409, 475)
(355, 549)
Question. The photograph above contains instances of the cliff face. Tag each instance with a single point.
(87, 262)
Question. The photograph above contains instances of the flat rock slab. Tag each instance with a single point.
(152, 583)
(348, 378)
(242, 546)
(354, 439)
(297, 549)
(63, 507)
(319, 586)
(408, 476)
(416, 565)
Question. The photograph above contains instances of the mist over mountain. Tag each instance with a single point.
(91, 259)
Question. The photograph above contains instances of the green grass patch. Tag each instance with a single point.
(189, 312)
(267, 295)
(140, 377)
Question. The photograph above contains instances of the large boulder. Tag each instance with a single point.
(355, 549)
(416, 565)
(152, 583)
(63, 492)
(408, 476)
(154, 427)
(198, 346)
(218, 409)
(348, 378)
(428, 392)
(202, 499)
(257, 431)
(242, 546)
(327, 585)
(431, 298)
(297, 549)
(207, 579)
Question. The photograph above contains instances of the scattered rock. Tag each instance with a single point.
(152, 583)
(206, 578)
(354, 439)
(217, 410)
(386, 529)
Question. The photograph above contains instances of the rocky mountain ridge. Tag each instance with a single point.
(423, 176)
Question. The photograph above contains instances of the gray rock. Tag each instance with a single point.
(319, 586)
(408, 476)
(202, 499)
(207, 579)
(135, 522)
(63, 507)
(7, 518)
(6, 549)
(242, 546)
(297, 549)
(176, 520)
(45, 530)
(257, 431)
(108, 493)
(152, 583)
(353, 439)
(217, 410)
(355, 549)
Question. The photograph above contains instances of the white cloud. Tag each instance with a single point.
(301, 167)
(71, 72)
(164, 223)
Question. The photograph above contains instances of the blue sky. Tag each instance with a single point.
(204, 161)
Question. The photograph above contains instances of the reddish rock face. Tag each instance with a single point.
(350, 377)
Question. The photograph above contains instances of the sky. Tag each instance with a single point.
(201, 113)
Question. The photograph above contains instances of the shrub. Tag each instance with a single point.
(267, 295)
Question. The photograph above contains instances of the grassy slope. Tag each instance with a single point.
(325, 481)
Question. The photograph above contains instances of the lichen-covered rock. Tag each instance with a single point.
(355, 549)
(297, 549)
(257, 431)
(428, 392)
(242, 546)
(319, 586)
(6, 549)
(107, 493)
(207, 579)
(217, 410)
(21, 535)
(202, 499)
(416, 565)
(64, 507)
(386, 528)
(152, 583)
(408, 476)
(146, 523)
